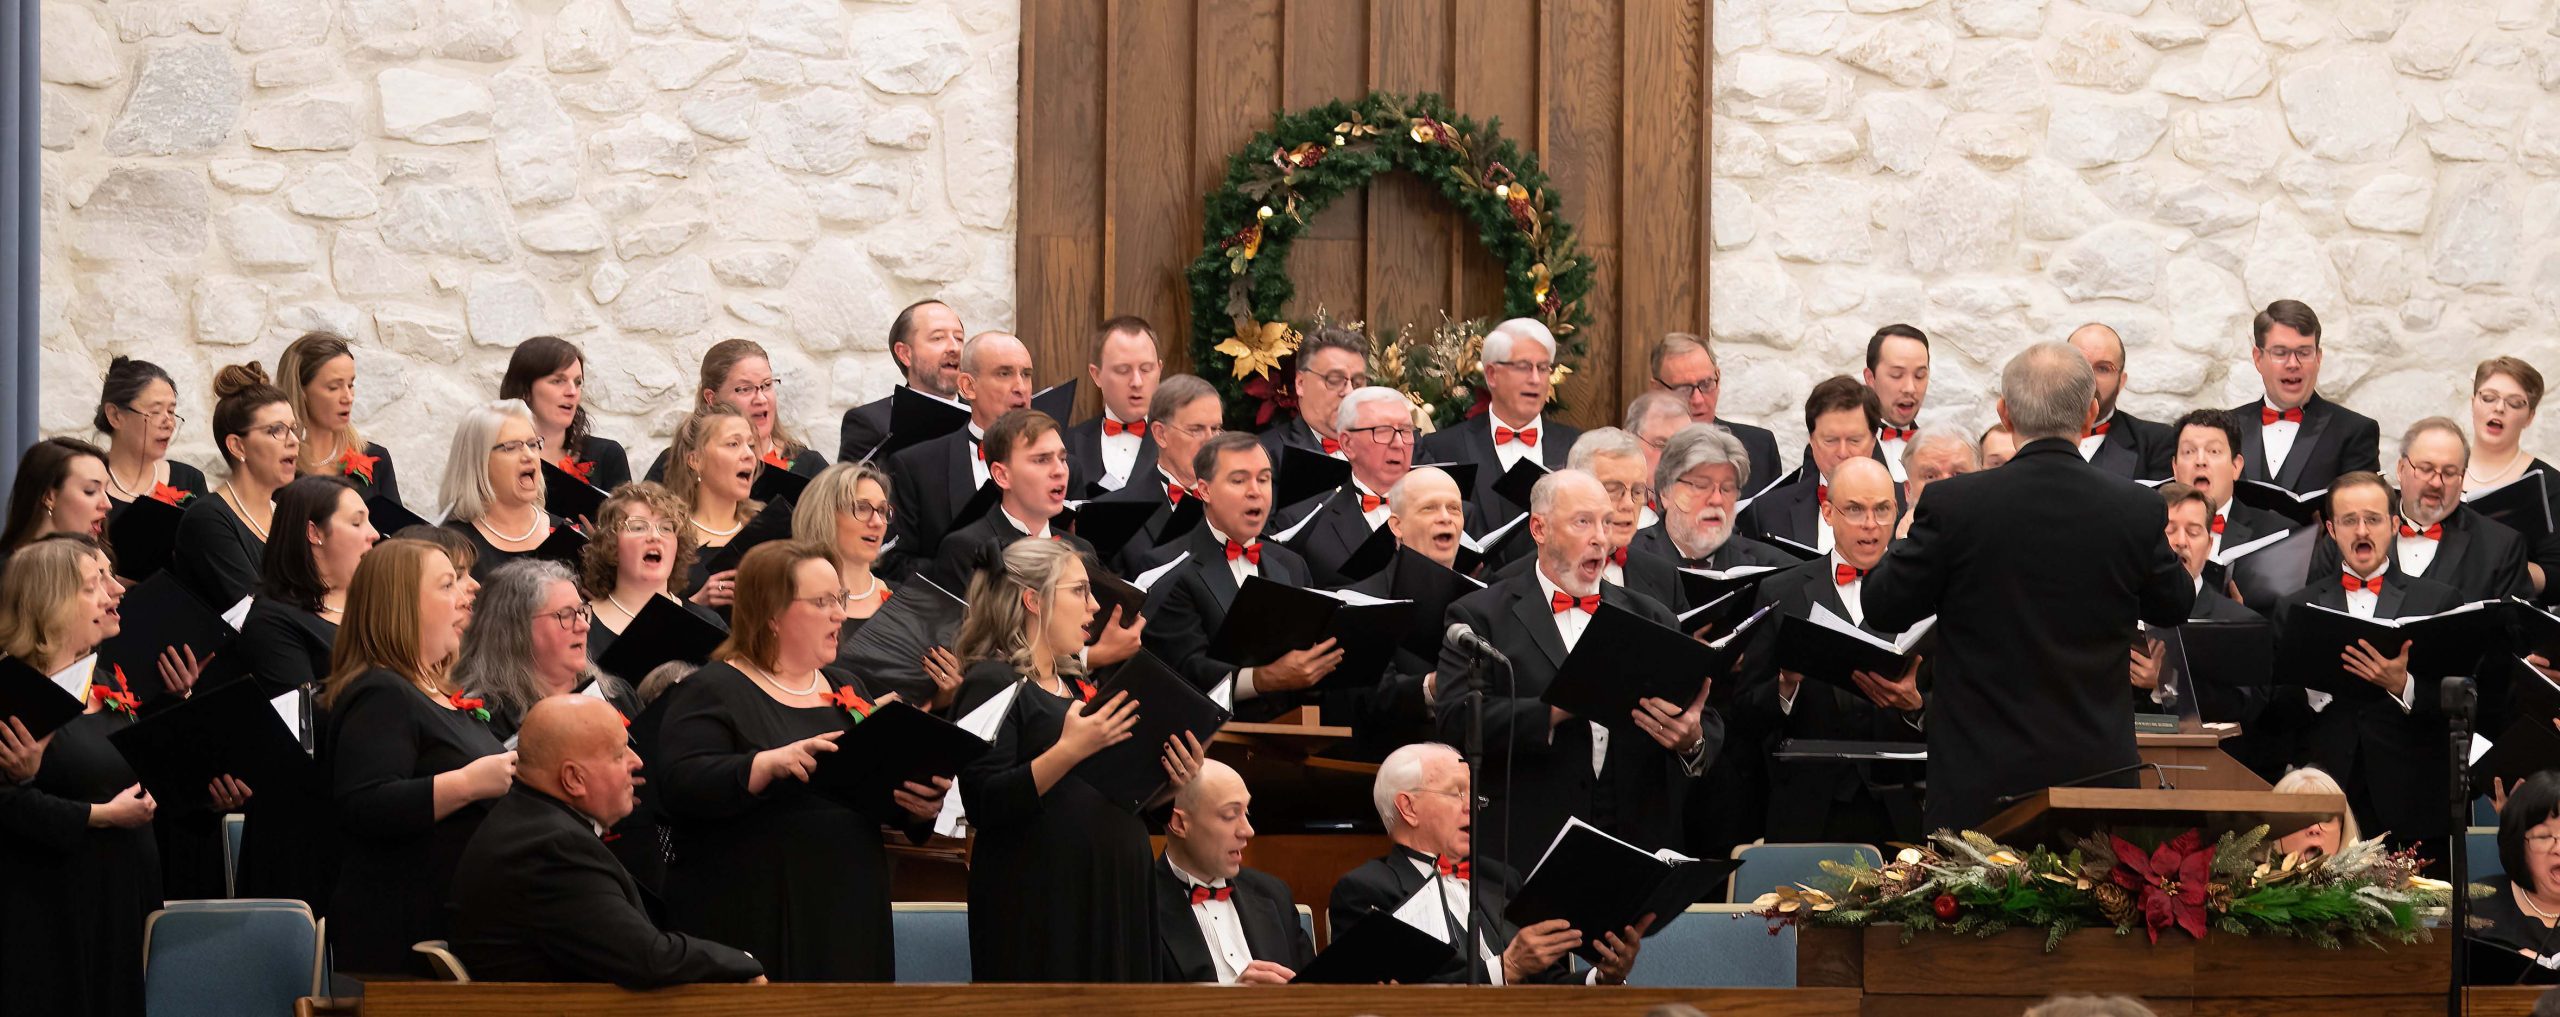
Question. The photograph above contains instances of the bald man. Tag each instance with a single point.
(1427, 514)
(538, 897)
(2119, 443)
(933, 480)
(1217, 921)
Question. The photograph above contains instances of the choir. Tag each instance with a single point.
(529, 721)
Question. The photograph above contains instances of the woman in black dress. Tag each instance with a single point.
(412, 765)
(738, 374)
(221, 539)
(846, 509)
(2506, 396)
(287, 846)
(715, 471)
(550, 375)
(493, 485)
(2521, 913)
(138, 412)
(75, 828)
(61, 488)
(762, 862)
(1060, 887)
(642, 545)
(318, 374)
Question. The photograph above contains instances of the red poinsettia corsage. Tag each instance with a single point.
(585, 472)
(1084, 691)
(171, 496)
(357, 464)
(852, 702)
(478, 709)
(120, 698)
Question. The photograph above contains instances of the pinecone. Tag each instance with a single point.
(2115, 903)
(2218, 897)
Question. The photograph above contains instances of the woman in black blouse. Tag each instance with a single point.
(287, 848)
(846, 510)
(61, 488)
(2525, 906)
(493, 487)
(221, 539)
(412, 764)
(737, 373)
(715, 471)
(76, 847)
(318, 374)
(138, 412)
(2506, 396)
(762, 862)
(641, 545)
(550, 375)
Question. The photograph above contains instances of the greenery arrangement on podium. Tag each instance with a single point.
(2240, 885)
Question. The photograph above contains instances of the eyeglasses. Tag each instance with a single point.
(2447, 474)
(871, 511)
(1861, 515)
(2542, 840)
(1481, 801)
(2294, 355)
(643, 528)
(1076, 591)
(1197, 432)
(2362, 521)
(1690, 390)
(746, 391)
(2491, 400)
(1387, 434)
(279, 432)
(1338, 382)
(570, 619)
(1718, 488)
(518, 446)
(823, 601)
(174, 420)
(1540, 368)
(1638, 492)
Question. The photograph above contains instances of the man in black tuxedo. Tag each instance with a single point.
(1184, 412)
(931, 481)
(2209, 459)
(2119, 443)
(539, 898)
(1226, 549)
(2292, 438)
(1378, 435)
(925, 339)
(1848, 802)
(1616, 459)
(1842, 417)
(2387, 753)
(1428, 516)
(2267, 736)
(1333, 362)
(1421, 794)
(2037, 572)
(1629, 782)
(1028, 465)
(1216, 920)
(1109, 450)
(1702, 470)
(1685, 366)
(2440, 537)
(1519, 362)
(1898, 373)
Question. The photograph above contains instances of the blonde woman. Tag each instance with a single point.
(318, 375)
(714, 470)
(738, 374)
(2329, 834)
(846, 510)
(493, 485)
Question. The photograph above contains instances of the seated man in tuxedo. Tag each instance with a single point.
(539, 898)
(1333, 362)
(1427, 516)
(1184, 412)
(2440, 537)
(931, 481)
(925, 339)
(1934, 454)
(1107, 451)
(1027, 462)
(1225, 549)
(1702, 471)
(1850, 802)
(1630, 783)
(1421, 794)
(2119, 443)
(2209, 459)
(2292, 438)
(1616, 459)
(1216, 920)
(1376, 425)
(1519, 363)
(1842, 417)
(2389, 754)
(1999, 445)
(1684, 366)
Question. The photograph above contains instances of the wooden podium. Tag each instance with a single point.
(2056, 812)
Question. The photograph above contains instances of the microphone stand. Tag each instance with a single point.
(2457, 698)
(1474, 751)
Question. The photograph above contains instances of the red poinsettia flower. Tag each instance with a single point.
(478, 709)
(356, 464)
(1271, 396)
(1084, 691)
(120, 698)
(2172, 881)
(171, 496)
(852, 701)
(585, 472)
(773, 458)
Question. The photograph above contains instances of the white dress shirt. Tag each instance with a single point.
(1454, 904)
(1891, 450)
(1119, 452)
(1849, 598)
(1239, 568)
(1017, 524)
(1569, 626)
(2090, 442)
(2221, 516)
(1511, 452)
(2418, 552)
(977, 456)
(2278, 438)
(1220, 926)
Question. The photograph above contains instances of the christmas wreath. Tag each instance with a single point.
(1278, 182)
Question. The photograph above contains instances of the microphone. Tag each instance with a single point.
(1463, 637)
(2455, 694)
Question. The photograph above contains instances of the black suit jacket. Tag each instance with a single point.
(1652, 575)
(1786, 512)
(928, 483)
(2333, 440)
(1196, 595)
(865, 427)
(2391, 762)
(1390, 714)
(1263, 906)
(1084, 457)
(957, 558)
(1471, 441)
(1762, 447)
(1328, 540)
(1381, 885)
(2244, 523)
(539, 898)
(1736, 550)
(1803, 795)
(1141, 549)
(2135, 449)
(2036, 571)
(1547, 766)
(2480, 557)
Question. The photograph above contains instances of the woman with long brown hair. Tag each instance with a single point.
(550, 375)
(318, 375)
(738, 374)
(222, 538)
(412, 764)
(61, 488)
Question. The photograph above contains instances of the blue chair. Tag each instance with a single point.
(2483, 813)
(2480, 846)
(225, 958)
(1718, 946)
(1768, 866)
(933, 942)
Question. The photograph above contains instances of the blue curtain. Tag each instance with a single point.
(20, 183)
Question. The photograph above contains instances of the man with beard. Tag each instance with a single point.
(1123, 365)
(931, 481)
(2293, 438)
(2440, 537)
(1376, 425)
(1226, 549)
(926, 340)
(1702, 471)
(2119, 443)
(1685, 367)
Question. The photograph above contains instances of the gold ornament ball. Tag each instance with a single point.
(1262, 213)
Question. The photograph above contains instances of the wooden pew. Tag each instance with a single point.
(502, 999)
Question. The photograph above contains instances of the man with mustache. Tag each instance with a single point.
(932, 480)
(1123, 364)
(1216, 920)
(2119, 443)
(1685, 367)
(1376, 425)
(2208, 458)
(1226, 549)
(1842, 418)
(1427, 517)
(1518, 365)
(1702, 470)
(925, 339)
(2293, 438)
(2440, 537)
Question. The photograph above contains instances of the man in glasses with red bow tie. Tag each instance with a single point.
(1421, 794)
(1217, 921)
(1628, 780)
(2292, 438)
(2388, 753)
(2440, 537)
(1226, 549)
(1124, 365)
(1617, 460)
(1840, 418)
(1519, 364)
(1378, 435)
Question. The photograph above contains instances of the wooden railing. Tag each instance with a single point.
(503, 999)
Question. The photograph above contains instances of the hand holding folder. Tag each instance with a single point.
(1623, 660)
(1599, 884)
(1827, 648)
(1131, 772)
(896, 744)
(1268, 620)
(2440, 645)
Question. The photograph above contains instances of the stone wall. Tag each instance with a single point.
(1999, 171)
(439, 179)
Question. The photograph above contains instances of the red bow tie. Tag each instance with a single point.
(1174, 493)
(1250, 552)
(978, 448)
(2100, 430)
(1370, 503)
(2432, 532)
(1330, 446)
(1618, 557)
(2373, 585)
(1504, 436)
(1202, 894)
(1843, 575)
(1113, 428)
(1566, 602)
(1896, 433)
(2216, 524)
(1453, 868)
(1821, 495)
(2269, 414)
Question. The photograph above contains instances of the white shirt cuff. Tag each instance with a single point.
(2408, 694)
(1787, 703)
(1244, 689)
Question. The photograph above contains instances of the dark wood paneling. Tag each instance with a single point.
(1581, 149)
(1411, 251)
(1660, 290)
(1058, 287)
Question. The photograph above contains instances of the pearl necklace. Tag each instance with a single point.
(232, 494)
(730, 532)
(149, 473)
(867, 591)
(617, 605)
(816, 678)
(483, 523)
(2529, 905)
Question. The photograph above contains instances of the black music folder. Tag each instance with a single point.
(777, 483)
(2230, 654)
(389, 517)
(2537, 630)
(771, 524)
(898, 743)
(1372, 556)
(1306, 474)
(1432, 587)
(916, 418)
(2274, 570)
(1120, 600)
(1623, 658)
(144, 536)
(1827, 648)
(32, 697)
(664, 631)
(2450, 643)
(888, 650)
(1376, 950)
(2526, 746)
(2300, 509)
(159, 614)
(1269, 619)
(233, 729)
(568, 497)
(1058, 401)
(1130, 773)
(1110, 525)
(565, 545)
(1599, 884)
(2523, 504)
(1515, 483)
(1463, 473)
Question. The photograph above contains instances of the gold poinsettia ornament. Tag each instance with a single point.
(1258, 346)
